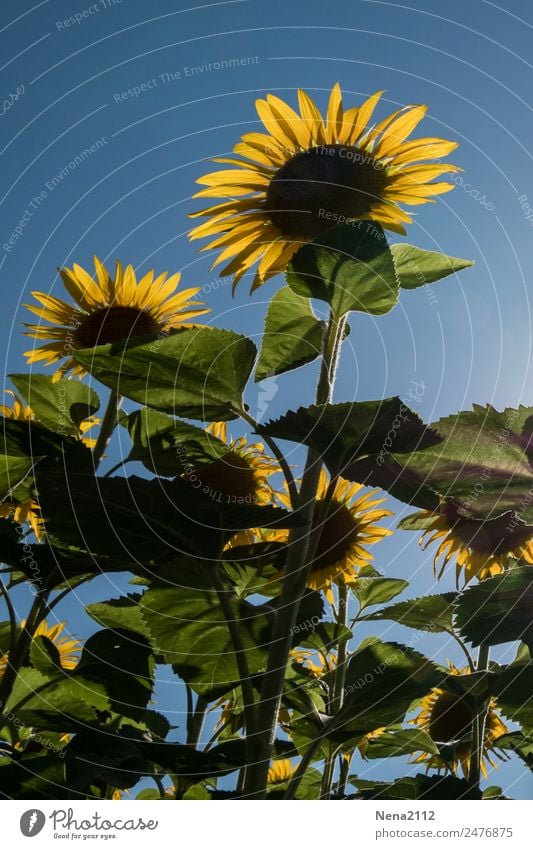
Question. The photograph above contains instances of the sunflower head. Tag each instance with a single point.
(241, 475)
(447, 717)
(281, 771)
(107, 308)
(481, 549)
(305, 174)
(67, 647)
(344, 526)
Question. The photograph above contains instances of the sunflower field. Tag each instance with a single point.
(250, 546)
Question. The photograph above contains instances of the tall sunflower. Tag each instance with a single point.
(305, 175)
(344, 526)
(107, 309)
(447, 718)
(480, 549)
(67, 647)
(28, 511)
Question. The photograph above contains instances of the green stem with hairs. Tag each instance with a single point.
(478, 724)
(109, 423)
(294, 582)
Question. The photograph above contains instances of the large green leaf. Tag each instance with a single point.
(123, 612)
(394, 742)
(482, 461)
(167, 446)
(416, 267)
(433, 613)
(498, 610)
(382, 680)
(60, 405)
(188, 627)
(350, 267)
(343, 433)
(197, 373)
(34, 776)
(141, 521)
(292, 337)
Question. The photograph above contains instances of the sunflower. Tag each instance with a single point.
(305, 175)
(68, 648)
(281, 771)
(480, 549)
(447, 718)
(240, 476)
(108, 309)
(28, 511)
(323, 664)
(345, 521)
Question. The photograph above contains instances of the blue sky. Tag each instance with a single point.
(67, 70)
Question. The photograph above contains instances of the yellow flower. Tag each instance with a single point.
(325, 662)
(346, 526)
(108, 309)
(28, 511)
(67, 647)
(305, 175)
(479, 549)
(241, 476)
(447, 718)
(280, 771)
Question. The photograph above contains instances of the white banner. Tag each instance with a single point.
(251, 825)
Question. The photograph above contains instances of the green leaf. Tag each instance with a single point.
(498, 610)
(434, 787)
(170, 447)
(416, 267)
(122, 662)
(482, 460)
(188, 627)
(370, 591)
(34, 777)
(140, 522)
(393, 743)
(343, 433)
(60, 405)
(44, 655)
(350, 267)
(13, 470)
(124, 612)
(514, 691)
(431, 613)
(520, 743)
(59, 702)
(197, 373)
(382, 680)
(293, 336)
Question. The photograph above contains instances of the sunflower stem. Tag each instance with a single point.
(327, 778)
(294, 582)
(17, 658)
(196, 721)
(109, 423)
(242, 665)
(478, 724)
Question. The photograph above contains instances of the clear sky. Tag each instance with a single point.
(132, 82)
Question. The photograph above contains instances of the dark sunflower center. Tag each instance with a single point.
(337, 532)
(451, 718)
(113, 324)
(322, 187)
(231, 476)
